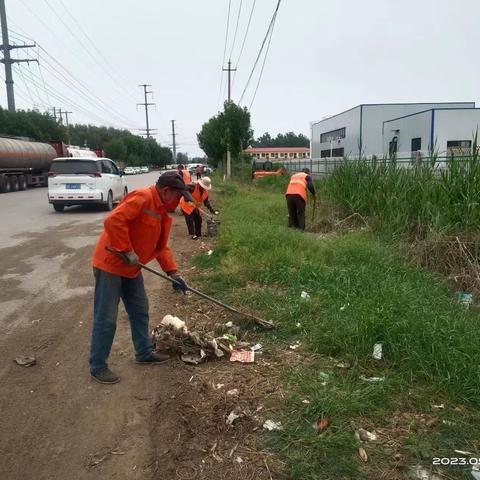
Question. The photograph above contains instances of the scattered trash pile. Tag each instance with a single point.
(172, 335)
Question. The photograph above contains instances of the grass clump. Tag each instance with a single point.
(362, 292)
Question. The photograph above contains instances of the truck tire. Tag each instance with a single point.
(4, 184)
(108, 207)
(14, 185)
(22, 182)
(58, 207)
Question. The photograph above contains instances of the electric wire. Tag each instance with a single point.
(52, 32)
(263, 66)
(236, 28)
(224, 52)
(130, 93)
(246, 33)
(270, 26)
(22, 78)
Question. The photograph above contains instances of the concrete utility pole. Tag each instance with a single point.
(229, 156)
(7, 60)
(66, 117)
(146, 105)
(174, 144)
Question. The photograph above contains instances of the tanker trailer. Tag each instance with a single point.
(24, 164)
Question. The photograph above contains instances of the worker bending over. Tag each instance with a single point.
(296, 195)
(139, 228)
(193, 218)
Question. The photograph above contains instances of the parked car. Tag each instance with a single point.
(85, 181)
(129, 171)
(144, 169)
(137, 170)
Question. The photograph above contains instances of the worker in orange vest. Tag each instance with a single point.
(296, 196)
(187, 178)
(139, 229)
(191, 211)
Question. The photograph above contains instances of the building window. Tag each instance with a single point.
(291, 155)
(416, 144)
(458, 147)
(263, 155)
(333, 135)
(335, 152)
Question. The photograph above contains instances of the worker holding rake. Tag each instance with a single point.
(191, 210)
(137, 231)
(296, 196)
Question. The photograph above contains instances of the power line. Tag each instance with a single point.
(236, 28)
(87, 50)
(224, 52)
(270, 26)
(128, 91)
(246, 33)
(263, 66)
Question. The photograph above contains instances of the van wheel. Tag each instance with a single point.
(58, 207)
(109, 205)
(22, 182)
(14, 185)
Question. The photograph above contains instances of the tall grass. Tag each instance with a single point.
(362, 292)
(443, 197)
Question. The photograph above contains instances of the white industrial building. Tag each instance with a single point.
(380, 129)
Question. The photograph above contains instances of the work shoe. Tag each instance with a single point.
(155, 359)
(105, 376)
(194, 237)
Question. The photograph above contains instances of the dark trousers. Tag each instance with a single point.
(194, 223)
(109, 289)
(296, 211)
(199, 176)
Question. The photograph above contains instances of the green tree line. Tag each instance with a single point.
(119, 145)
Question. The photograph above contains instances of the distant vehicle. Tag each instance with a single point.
(24, 163)
(137, 170)
(85, 181)
(129, 171)
(144, 169)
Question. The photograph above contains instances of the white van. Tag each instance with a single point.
(85, 181)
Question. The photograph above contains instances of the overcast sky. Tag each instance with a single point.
(324, 57)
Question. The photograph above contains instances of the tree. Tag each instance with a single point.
(289, 139)
(229, 129)
(182, 158)
(116, 150)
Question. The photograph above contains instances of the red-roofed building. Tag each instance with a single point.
(277, 153)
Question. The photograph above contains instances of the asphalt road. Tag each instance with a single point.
(30, 212)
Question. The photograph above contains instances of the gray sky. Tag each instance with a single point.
(325, 56)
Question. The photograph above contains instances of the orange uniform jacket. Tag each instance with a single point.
(139, 223)
(199, 198)
(298, 185)
(187, 178)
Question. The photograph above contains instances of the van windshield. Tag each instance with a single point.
(74, 166)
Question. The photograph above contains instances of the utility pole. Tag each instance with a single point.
(146, 105)
(7, 60)
(66, 117)
(174, 143)
(60, 114)
(229, 156)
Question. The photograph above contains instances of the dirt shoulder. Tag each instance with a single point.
(158, 422)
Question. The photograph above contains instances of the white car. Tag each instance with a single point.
(85, 181)
(144, 169)
(129, 171)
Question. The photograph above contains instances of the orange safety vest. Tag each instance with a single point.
(298, 185)
(187, 178)
(198, 197)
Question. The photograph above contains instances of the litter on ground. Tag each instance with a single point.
(270, 425)
(305, 296)
(25, 361)
(377, 351)
(197, 347)
(365, 435)
(242, 356)
(295, 345)
(371, 379)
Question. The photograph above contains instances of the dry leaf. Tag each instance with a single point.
(363, 454)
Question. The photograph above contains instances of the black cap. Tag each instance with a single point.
(175, 181)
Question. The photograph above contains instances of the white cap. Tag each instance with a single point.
(205, 183)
